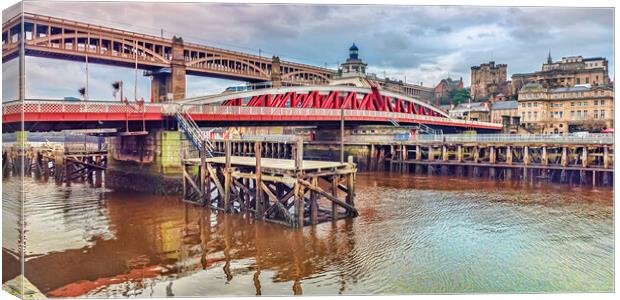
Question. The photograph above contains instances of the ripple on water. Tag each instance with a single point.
(415, 234)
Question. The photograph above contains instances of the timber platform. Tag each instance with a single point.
(284, 191)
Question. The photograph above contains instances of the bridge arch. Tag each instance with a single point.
(42, 41)
(324, 92)
(196, 62)
(304, 72)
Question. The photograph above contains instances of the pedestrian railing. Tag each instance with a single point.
(592, 138)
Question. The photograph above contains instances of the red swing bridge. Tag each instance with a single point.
(297, 105)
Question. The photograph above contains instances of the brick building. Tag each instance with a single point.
(489, 79)
(444, 88)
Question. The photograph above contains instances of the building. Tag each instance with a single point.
(568, 72)
(423, 93)
(444, 88)
(502, 109)
(353, 66)
(566, 109)
(475, 111)
(353, 72)
(488, 80)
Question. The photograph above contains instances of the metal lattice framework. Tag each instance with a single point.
(324, 97)
(101, 111)
(60, 38)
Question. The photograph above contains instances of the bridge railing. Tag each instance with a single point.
(64, 106)
(240, 110)
(76, 106)
(592, 138)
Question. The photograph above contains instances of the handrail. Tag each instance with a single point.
(97, 106)
(592, 138)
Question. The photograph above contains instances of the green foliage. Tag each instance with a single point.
(459, 96)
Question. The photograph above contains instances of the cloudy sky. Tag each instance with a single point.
(421, 43)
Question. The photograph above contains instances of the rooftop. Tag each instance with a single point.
(505, 105)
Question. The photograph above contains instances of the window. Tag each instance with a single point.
(535, 104)
(572, 104)
(578, 115)
(602, 102)
(602, 114)
(529, 104)
(523, 115)
(595, 114)
(572, 114)
(578, 81)
(529, 115)
(587, 80)
(561, 115)
(595, 102)
(523, 105)
(585, 114)
(535, 115)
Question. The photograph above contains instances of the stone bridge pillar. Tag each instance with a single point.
(170, 82)
(146, 163)
(276, 74)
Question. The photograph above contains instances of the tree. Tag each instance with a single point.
(117, 86)
(459, 96)
(82, 92)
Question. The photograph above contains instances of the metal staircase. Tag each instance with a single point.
(193, 133)
(425, 129)
(421, 128)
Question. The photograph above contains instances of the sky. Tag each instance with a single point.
(421, 44)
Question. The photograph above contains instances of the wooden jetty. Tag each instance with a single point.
(565, 163)
(283, 191)
(55, 161)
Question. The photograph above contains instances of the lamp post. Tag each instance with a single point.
(135, 83)
(342, 132)
(86, 88)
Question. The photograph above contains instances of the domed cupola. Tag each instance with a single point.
(353, 52)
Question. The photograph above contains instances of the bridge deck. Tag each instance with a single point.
(271, 163)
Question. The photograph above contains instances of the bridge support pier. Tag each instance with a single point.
(146, 163)
(169, 83)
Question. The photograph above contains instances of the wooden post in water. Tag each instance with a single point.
(418, 153)
(584, 157)
(431, 155)
(260, 208)
(509, 155)
(405, 154)
(526, 155)
(334, 190)
(227, 176)
(564, 159)
(314, 207)
(299, 194)
(203, 168)
(476, 156)
(350, 184)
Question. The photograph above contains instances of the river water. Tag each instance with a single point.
(415, 234)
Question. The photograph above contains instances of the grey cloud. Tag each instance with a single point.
(425, 41)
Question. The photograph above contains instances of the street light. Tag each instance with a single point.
(135, 83)
(342, 132)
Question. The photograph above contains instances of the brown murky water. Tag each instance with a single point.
(413, 235)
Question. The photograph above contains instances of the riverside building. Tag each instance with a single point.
(566, 109)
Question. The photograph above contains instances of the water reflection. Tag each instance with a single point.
(413, 235)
